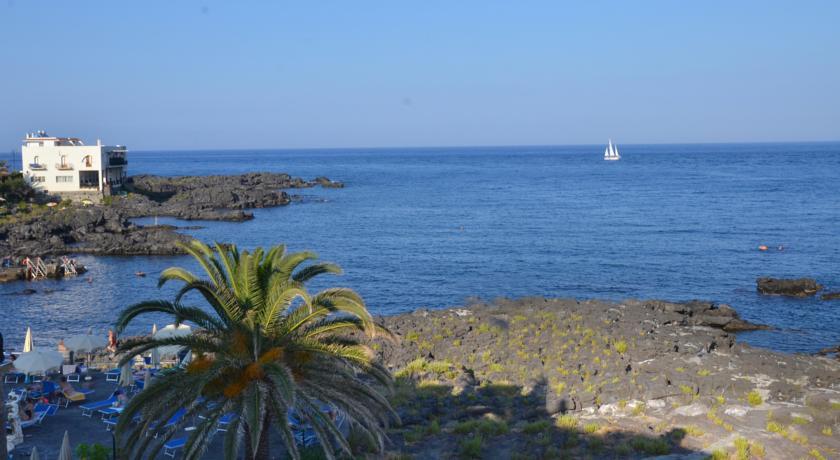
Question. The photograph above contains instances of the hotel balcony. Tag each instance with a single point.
(64, 166)
(117, 161)
(37, 167)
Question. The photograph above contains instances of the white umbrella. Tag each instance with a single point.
(38, 361)
(155, 358)
(154, 329)
(34, 455)
(147, 378)
(172, 331)
(187, 359)
(85, 343)
(126, 377)
(27, 342)
(66, 453)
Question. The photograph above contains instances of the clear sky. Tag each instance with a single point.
(252, 74)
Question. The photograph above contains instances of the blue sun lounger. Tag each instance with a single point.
(173, 446)
(174, 420)
(88, 409)
(113, 375)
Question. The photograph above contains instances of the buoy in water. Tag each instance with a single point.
(762, 248)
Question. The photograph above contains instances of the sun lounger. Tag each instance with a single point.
(109, 412)
(17, 394)
(50, 409)
(37, 418)
(113, 375)
(173, 446)
(110, 423)
(67, 369)
(48, 389)
(174, 420)
(224, 422)
(13, 377)
(88, 409)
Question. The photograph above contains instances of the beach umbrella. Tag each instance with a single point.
(38, 361)
(126, 377)
(85, 343)
(155, 358)
(154, 329)
(27, 342)
(147, 378)
(187, 359)
(172, 331)
(34, 455)
(66, 453)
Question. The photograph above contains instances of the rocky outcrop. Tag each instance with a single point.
(830, 296)
(802, 287)
(701, 313)
(212, 197)
(86, 229)
(604, 374)
(107, 229)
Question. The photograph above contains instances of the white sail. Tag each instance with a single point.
(611, 152)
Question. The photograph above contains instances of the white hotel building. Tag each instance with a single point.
(65, 166)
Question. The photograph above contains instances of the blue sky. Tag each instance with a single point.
(251, 74)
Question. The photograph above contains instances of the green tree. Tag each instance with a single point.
(264, 348)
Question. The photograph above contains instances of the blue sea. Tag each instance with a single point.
(432, 227)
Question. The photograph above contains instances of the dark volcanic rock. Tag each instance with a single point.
(700, 313)
(802, 287)
(831, 296)
(107, 229)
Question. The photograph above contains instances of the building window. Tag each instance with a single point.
(61, 179)
(88, 161)
(35, 161)
(39, 179)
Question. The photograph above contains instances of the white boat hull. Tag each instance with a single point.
(612, 158)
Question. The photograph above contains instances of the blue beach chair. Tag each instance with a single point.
(88, 409)
(173, 446)
(113, 375)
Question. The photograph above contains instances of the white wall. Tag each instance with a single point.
(76, 159)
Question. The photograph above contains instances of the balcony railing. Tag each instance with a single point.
(64, 166)
(117, 161)
(37, 167)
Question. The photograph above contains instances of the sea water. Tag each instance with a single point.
(432, 227)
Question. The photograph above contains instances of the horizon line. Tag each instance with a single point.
(474, 146)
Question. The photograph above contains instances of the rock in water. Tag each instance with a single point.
(802, 287)
(831, 296)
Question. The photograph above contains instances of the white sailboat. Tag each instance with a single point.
(611, 152)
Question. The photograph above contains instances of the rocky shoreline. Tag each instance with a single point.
(544, 378)
(107, 229)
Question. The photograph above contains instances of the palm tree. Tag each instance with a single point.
(266, 348)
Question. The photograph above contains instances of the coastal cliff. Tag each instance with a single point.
(107, 229)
